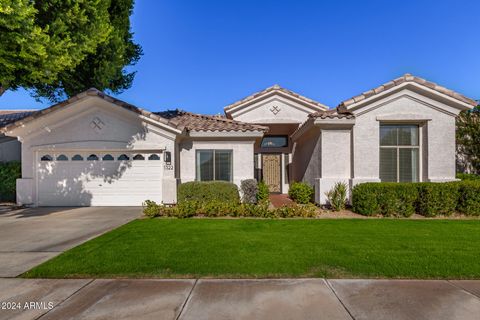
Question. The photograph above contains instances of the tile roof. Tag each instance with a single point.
(10, 116)
(403, 79)
(200, 122)
(276, 88)
(331, 114)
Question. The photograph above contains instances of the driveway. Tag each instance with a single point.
(224, 299)
(31, 236)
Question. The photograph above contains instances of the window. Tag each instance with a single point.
(77, 157)
(399, 153)
(107, 157)
(274, 142)
(214, 165)
(138, 157)
(123, 157)
(154, 157)
(62, 157)
(92, 157)
(46, 157)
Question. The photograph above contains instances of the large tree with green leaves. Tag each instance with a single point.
(57, 48)
(468, 140)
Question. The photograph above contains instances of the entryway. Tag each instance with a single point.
(272, 172)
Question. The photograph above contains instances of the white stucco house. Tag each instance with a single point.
(95, 150)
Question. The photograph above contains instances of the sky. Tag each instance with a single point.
(203, 55)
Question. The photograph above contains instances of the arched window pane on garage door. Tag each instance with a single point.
(138, 157)
(46, 157)
(154, 157)
(77, 157)
(107, 157)
(123, 157)
(92, 157)
(62, 157)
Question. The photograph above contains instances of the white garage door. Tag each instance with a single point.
(98, 179)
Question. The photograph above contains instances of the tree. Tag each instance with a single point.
(103, 69)
(55, 48)
(468, 140)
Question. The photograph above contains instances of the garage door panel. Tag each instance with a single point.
(99, 183)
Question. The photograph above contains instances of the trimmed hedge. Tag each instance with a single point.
(468, 176)
(205, 191)
(469, 202)
(9, 173)
(428, 199)
(437, 198)
(388, 199)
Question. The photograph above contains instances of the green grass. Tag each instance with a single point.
(385, 248)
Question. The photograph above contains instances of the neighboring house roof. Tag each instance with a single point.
(403, 79)
(200, 122)
(10, 116)
(276, 88)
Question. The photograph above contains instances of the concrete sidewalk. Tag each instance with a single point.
(239, 299)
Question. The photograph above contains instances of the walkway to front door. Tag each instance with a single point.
(272, 174)
(280, 200)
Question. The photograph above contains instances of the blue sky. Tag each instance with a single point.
(203, 55)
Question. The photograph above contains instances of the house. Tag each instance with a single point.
(95, 150)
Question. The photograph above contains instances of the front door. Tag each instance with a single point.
(271, 167)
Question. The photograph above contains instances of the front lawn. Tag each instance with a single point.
(385, 248)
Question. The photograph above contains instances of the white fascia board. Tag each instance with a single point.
(226, 134)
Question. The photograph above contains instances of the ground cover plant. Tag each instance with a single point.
(385, 248)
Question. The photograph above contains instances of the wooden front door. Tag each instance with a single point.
(271, 167)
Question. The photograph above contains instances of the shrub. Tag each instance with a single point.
(263, 191)
(260, 210)
(437, 198)
(469, 202)
(388, 199)
(9, 173)
(151, 208)
(301, 192)
(249, 189)
(202, 191)
(298, 210)
(337, 197)
(364, 199)
(467, 176)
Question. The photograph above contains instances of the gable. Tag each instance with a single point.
(274, 108)
(93, 123)
(405, 105)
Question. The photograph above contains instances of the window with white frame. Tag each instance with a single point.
(214, 165)
(399, 153)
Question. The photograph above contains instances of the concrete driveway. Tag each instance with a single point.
(225, 299)
(31, 236)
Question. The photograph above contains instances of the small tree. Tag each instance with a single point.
(468, 141)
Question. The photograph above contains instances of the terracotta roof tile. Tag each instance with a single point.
(406, 78)
(331, 114)
(200, 122)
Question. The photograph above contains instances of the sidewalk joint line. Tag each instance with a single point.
(463, 289)
(63, 301)
(186, 300)
(338, 298)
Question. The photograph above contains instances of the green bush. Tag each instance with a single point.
(469, 202)
(438, 198)
(301, 192)
(263, 191)
(9, 173)
(298, 210)
(467, 176)
(388, 199)
(202, 191)
(364, 199)
(249, 189)
(152, 209)
(337, 197)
